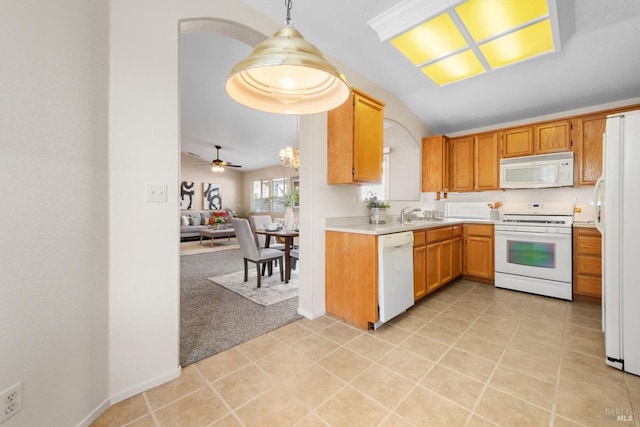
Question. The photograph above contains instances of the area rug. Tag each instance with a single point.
(272, 290)
(194, 247)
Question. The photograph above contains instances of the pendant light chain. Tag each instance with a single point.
(288, 5)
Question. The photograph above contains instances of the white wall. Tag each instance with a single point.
(230, 182)
(144, 149)
(54, 192)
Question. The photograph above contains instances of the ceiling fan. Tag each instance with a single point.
(218, 164)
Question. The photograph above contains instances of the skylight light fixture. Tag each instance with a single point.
(287, 75)
(451, 40)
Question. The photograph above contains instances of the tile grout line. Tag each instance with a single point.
(154, 418)
(472, 413)
(224, 401)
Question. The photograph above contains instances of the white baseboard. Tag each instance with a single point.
(94, 414)
(311, 316)
(119, 397)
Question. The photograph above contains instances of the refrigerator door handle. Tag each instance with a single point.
(599, 202)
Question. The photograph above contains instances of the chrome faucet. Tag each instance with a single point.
(404, 215)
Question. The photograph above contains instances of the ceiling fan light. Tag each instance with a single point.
(287, 75)
(217, 168)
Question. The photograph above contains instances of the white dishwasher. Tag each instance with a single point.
(395, 275)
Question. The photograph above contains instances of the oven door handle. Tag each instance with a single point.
(532, 234)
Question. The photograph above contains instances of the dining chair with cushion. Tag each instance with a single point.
(260, 222)
(294, 255)
(252, 253)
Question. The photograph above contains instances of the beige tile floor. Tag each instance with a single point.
(468, 355)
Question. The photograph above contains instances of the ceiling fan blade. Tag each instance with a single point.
(232, 166)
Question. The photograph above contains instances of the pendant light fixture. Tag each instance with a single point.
(287, 75)
(290, 157)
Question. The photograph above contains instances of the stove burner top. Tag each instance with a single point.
(535, 221)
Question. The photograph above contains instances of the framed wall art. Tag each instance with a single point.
(211, 196)
(187, 195)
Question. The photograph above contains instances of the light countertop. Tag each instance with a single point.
(584, 225)
(396, 227)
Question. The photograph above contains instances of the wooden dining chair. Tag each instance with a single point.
(252, 253)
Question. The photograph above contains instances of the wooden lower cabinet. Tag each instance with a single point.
(351, 270)
(437, 258)
(587, 264)
(456, 251)
(478, 252)
(419, 265)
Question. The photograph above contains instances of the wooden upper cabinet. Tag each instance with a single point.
(541, 138)
(587, 147)
(435, 164)
(355, 140)
(461, 164)
(474, 163)
(487, 162)
(552, 137)
(517, 142)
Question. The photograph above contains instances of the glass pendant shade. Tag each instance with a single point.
(287, 75)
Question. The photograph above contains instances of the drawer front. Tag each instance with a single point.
(589, 245)
(587, 285)
(419, 237)
(589, 265)
(439, 234)
(479, 230)
(457, 230)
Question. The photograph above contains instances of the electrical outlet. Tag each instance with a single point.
(11, 400)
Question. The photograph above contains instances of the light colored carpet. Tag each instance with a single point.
(272, 290)
(194, 247)
(214, 319)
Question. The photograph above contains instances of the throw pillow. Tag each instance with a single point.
(205, 217)
(184, 220)
(195, 219)
(212, 220)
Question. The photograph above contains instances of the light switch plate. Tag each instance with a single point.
(156, 193)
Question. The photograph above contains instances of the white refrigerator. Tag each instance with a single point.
(618, 219)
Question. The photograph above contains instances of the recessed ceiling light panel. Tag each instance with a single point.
(431, 40)
(454, 68)
(488, 18)
(520, 45)
(450, 40)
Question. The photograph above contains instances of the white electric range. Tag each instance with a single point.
(533, 249)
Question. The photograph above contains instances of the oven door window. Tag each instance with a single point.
(534, 254)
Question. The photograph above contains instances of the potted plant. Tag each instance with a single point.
(377, 208)
(288, 200)
(217, 222)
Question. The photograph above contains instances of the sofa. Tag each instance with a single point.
(191, 223)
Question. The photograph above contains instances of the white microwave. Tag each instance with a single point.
(542, 171)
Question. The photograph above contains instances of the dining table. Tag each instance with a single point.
(287, 236)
